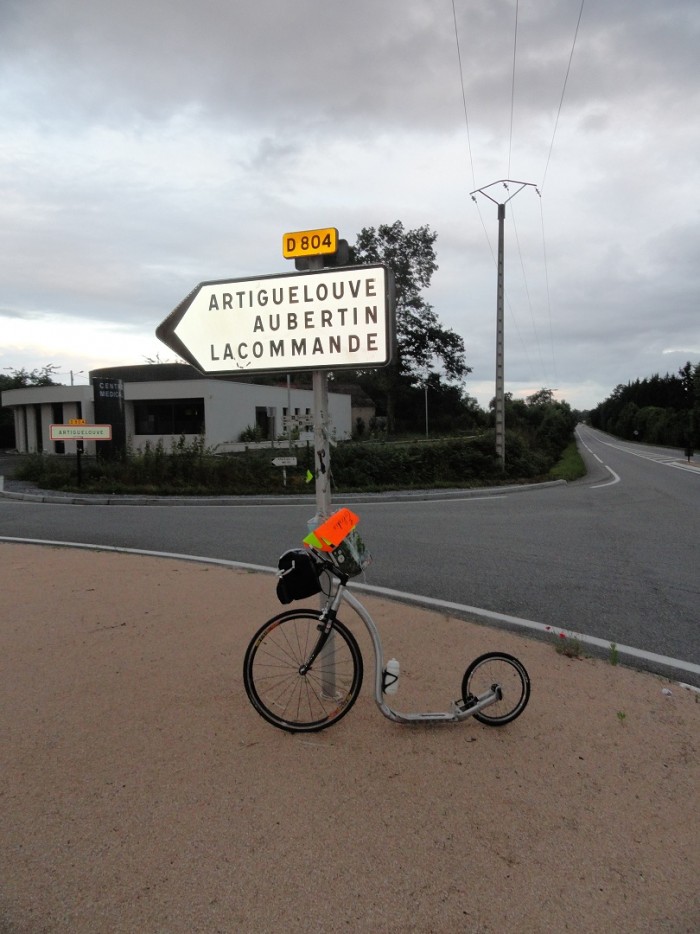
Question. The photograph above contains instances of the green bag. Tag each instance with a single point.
(352, 555)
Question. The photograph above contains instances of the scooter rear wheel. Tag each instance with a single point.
(288, 694)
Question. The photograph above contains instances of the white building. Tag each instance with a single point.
(164, 402)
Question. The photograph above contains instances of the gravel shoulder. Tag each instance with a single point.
(140, 791)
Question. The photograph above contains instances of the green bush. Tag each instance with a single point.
(188, 468)
(411, 465)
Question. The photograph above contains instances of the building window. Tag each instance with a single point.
(298, 420)
(169, 417)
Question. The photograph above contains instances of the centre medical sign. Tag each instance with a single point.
(317, 320)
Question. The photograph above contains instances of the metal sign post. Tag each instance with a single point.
(322, 464)
(322, 449)
(78, 430)
(322, 455)
(284, 462)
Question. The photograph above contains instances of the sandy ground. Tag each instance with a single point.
(140, 792)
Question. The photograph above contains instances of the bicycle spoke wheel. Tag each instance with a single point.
(505, 671)
(277, 688)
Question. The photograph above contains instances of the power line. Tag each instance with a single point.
(512, 85)
(464, 95)
(563, 91)
(484, 191)
(527, 292)
(549, 300)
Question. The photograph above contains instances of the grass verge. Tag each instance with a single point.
(570, 466)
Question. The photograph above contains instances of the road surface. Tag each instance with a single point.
(615, 556)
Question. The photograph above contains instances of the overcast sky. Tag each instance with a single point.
(148, 146)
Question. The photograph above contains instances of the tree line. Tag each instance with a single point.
(656, 410)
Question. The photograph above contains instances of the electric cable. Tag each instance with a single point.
(464, 94)
(527, 293)
(506, 296)
(549, 299)
(512, 314)
(512, 86)
(563, 92)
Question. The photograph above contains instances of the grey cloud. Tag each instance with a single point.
(149, 146)
(364, 63)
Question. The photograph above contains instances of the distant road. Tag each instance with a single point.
(616, 555)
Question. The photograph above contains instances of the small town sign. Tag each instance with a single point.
(80, 432)
(316, 320)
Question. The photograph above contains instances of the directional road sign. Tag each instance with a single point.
(284, 462)
(317, 320)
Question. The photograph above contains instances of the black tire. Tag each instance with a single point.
(511, 677)
(281, 694)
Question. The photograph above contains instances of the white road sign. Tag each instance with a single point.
(80, 432)
(284, 462)
(322, 319)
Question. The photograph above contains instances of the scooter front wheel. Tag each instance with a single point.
(504, 673)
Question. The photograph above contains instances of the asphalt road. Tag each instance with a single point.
(616, 555)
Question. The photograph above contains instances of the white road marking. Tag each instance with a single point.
(616, 479)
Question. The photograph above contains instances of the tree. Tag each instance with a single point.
(544, 424)
(19, 379)
(421, 340)
(690, 385)
(543, 396)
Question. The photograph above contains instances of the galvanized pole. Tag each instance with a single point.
(322, 463)
(322, 449)
(322, 452)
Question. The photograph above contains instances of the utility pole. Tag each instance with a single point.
(500, 411)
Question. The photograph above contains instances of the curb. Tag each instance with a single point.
(97, 499)
(686, 674)
(640, 659)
